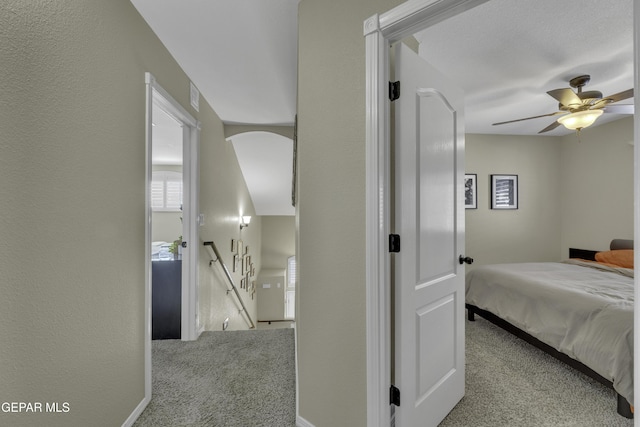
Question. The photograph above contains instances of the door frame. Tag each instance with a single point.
(191, 174)
(380, 31)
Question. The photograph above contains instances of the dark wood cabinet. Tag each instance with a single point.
(166, 299)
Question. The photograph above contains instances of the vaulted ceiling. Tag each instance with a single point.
(242, 56)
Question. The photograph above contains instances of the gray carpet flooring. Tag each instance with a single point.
(224, 379)
(246, 378)
(511, 383)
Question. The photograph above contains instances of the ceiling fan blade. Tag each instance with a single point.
(552, 126)
(621, 95)
(566, 97)
(613, 98)
(529, 118)
(600, 104)
(619, 109)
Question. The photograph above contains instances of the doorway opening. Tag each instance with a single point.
(380, 31)
(172, 188)
(167, 226)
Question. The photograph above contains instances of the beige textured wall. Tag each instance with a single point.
(223, 199)
(271, 298)
(573, 193)
(72, 157)
(166, 226)
(597, 186)
(532, 232)
(278, 241)
(278, 244)
(331, 208)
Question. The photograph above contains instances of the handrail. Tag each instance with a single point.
(233, 286)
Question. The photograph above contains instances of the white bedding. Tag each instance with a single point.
(160, 251)
(582, 309)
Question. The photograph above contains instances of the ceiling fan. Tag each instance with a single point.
(581, 109)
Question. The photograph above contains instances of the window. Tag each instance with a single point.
(166, 191)
(291, 272)
(290, 292)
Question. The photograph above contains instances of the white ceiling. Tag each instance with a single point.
(166, 135)
(266, 160)
(242, 56)
(507, 54)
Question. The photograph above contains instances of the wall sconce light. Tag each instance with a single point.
(244, 221)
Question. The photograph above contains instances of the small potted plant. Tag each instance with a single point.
(176, 248)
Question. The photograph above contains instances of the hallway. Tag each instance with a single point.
(226, 379)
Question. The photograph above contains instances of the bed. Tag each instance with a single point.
(579, 310)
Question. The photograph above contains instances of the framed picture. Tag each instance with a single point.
(234, 245)
(294, 168)
(471, 191)
(504, 191)
(235, 263)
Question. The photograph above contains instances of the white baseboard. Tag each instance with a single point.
(301, 422)
(136, 413)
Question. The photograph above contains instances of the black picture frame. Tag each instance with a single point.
(471, 191)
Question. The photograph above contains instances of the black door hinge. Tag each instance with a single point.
(394, 395)
(394, 243)
(394, 90)
(183, 244)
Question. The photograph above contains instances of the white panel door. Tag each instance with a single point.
(429, 217)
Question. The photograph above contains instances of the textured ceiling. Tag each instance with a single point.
(505, 54)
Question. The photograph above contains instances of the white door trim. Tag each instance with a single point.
(190, 323)
(380, 31)
(636, 196)
(191, 128)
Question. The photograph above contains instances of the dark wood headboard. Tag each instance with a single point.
(583, 254)
(590, 255)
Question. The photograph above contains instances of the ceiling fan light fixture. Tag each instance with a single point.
(579, 119)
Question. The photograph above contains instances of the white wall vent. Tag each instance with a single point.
(194, 96)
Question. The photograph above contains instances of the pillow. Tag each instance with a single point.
(621, 257)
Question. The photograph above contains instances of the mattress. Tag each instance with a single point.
(582, 309)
